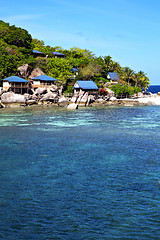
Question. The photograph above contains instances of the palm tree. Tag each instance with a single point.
(108, 62)
(128, 75)
(143, 80)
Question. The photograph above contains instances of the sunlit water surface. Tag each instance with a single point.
(84, 174)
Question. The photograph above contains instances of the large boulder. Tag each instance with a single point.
(140, 94)
(53, 88)
(100, 101)
(24, 71)
(10, 97)
(113, 99)
(40, 91)
(27, 96)
(36, 72)
(60, 90)
(49, 97)
(110, 93)
(80, 96)
(107, 84)
(83, 101)
(62, 101)
(34, 97)
(72, 106)
(74, 98)
(31, 102)
(91, 98)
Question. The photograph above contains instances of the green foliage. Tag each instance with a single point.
(84, 52)
(15, 36)
(16, 46)
(69, 89)
(90, 71)
(99, 79)
(59, 68)
(124, 90)
(8, 65)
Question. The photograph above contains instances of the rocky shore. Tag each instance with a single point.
(53, 96)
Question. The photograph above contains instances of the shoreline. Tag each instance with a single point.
(126, 102)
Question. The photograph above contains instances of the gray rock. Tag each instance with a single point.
(31, 102)
(40, 91)
(84, 100)
(11, 97)
(53, 88)
(80, 96)
(110, 93)
(72, 106)
(140, 94)
(107, 84)
(36, 72)
(24, 70)
(60, 90)
(91, 98)
(113, 99)
(34, 97)
(27, 96)
(62, 101)
(49, 96)
(74, 98)
(100, 100)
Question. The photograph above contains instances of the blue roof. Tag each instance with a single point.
(86, 85)
(74, 70)
(44, 78)
(114, 76)
(35, 51)
(15, 79)
(57, 53)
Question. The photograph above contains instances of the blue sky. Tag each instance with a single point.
(127, 30)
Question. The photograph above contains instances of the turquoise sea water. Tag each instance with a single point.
(84, 174)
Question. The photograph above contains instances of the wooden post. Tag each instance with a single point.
(21, 88)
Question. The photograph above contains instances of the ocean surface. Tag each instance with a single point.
(88, 174)
(153, 89)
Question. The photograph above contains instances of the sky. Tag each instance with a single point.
(127, 30)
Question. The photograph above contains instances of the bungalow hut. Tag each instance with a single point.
(113, 77)
(74, 71)
(43, 81)
(86, 86)
(16, 84)
(38, 53)
(58, 54)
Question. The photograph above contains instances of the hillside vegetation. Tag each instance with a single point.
(16, 49)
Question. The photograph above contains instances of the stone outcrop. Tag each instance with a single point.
(74, 98)
(62, 101)
(31, 102)
(11, 97)
(110, 93)
(80, 97)
(40, 90)
(50, 97)
(36, 72)
(72, 106)
(84, 99)
(53, 88)
(24, 71)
